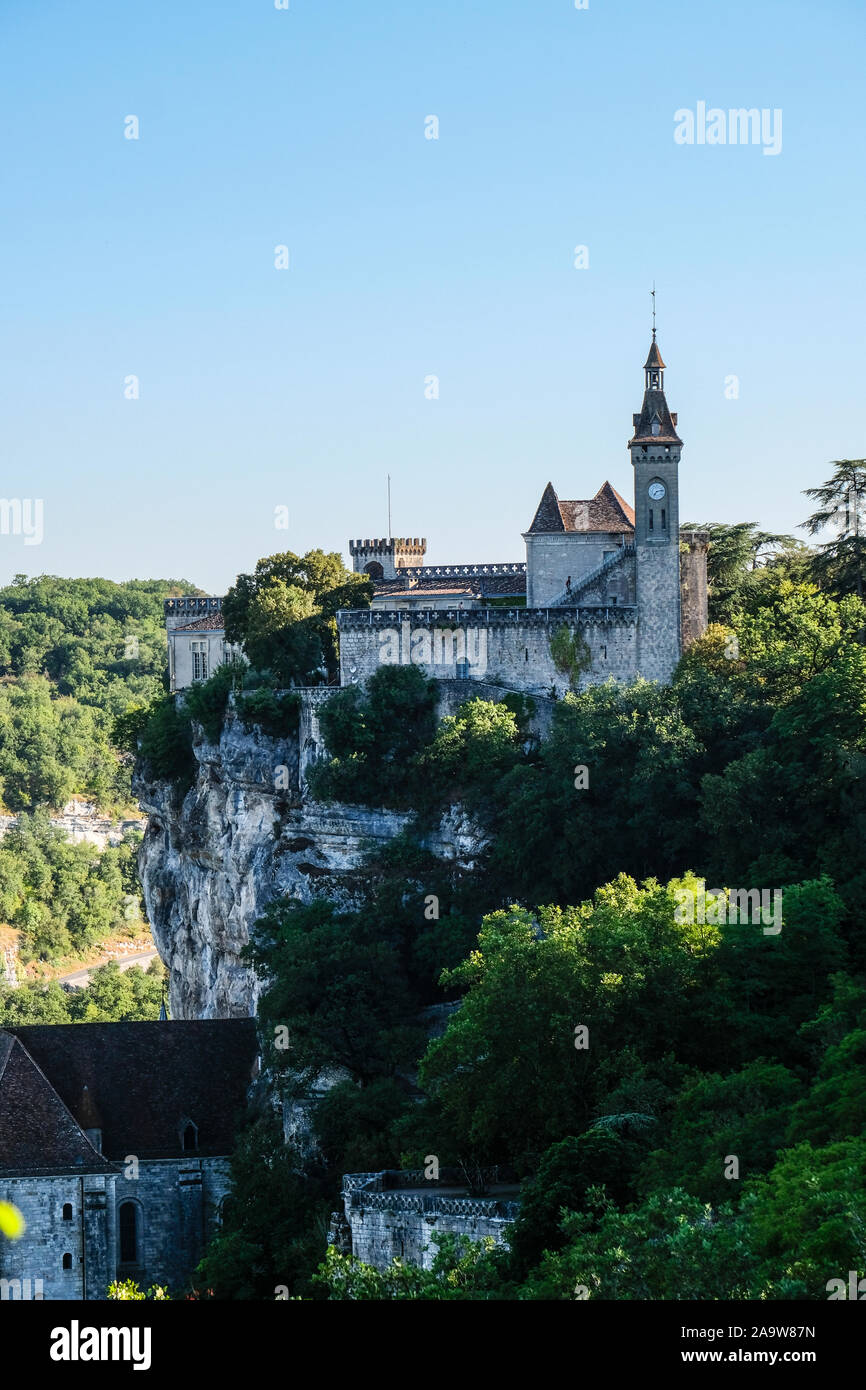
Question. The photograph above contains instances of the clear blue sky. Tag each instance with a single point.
(410, 257)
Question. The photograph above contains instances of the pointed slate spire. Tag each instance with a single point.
(655, 423)
(548, 517)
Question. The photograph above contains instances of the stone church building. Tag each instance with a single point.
(114, 1145)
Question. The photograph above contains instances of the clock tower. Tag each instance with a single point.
(655, 449)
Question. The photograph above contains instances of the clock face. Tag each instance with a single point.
(656, 491)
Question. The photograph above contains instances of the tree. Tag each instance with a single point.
(283, 614)
(739, 561)
(373, 735)
(670, 1247)
(340, 991)
(744, 1115)
(841, 563)
(274, 1221)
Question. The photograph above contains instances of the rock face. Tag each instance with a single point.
(244, 834)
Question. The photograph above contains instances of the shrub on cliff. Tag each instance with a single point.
(373, 735)
(165, 742)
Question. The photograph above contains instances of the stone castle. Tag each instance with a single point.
(619, 578)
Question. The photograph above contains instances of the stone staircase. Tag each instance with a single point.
(568, 598)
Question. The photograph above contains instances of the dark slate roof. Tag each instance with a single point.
(548, 516)
(480, 586)
(38, 1135)
(655, 358)
(503, 585)
(654, 403)
(148, 1079)
(212, 622)
(607, 511)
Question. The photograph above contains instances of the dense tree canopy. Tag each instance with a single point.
(283, 614)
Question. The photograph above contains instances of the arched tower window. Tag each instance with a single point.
(67, 1211)
(375, 570)
(67, 1261)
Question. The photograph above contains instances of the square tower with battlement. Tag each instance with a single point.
(381, 559)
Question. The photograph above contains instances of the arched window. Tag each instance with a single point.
(374, 569)
(128, 1233)
(67, 1261)
(67, 1211)
(189, 1137)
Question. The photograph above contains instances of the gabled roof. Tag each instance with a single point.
(606, 512)
(145, 1079)
(38, 1135)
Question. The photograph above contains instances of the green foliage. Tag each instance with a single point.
(571, 654)
(566, 1175)
(470, 753)
(671, 1247)
(284, 614)
(373, 735)
(64, 896)
(840, 564)
(354, 1125)
(275, 714)
(809, 1220)
(75, 655)
(745, 1114)
(461, 1269)
(165, 742)
(205, 702)
(744, 561)
(112, 996)
(274, 1221)
(339, 987)
(126, 1289)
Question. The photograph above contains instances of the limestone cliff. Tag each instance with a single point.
(244, 834)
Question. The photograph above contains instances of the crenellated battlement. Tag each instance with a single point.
(462, 571)
(388, 1215)
(353, 619)
(189, 604)
(388, 545)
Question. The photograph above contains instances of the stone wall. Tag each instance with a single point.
(658, 587)
(178, 1202)
(386, 1224)
(503, 646)
(694, 546)
(38, 1255)
(552, 556)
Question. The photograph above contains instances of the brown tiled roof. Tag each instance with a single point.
(37, 1132)
(655, 358)
(148, 1078)
(211, 622)
(607, 511)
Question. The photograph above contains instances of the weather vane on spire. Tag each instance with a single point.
(654, 310)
